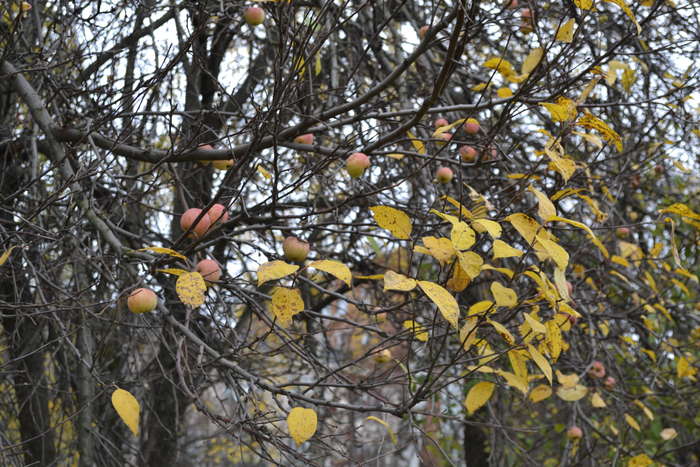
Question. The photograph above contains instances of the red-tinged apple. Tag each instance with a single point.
(441, 122)
(356, 164)
(218, 214)
(307, 138)
(187, 220)
(468, 153)
(423, 31)
(209, 269)
(443, 139)
(513, 4)
(142, 301)
(471, 126)
(597, 370)
(609, 383)
(222, 165)
(254, 15)
(622, 232)
(574, 433)
(444, 175)
(295, 250)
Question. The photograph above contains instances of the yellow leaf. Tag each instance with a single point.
(480, 307)
(541, 362)
(165, 251)
(478, 396)
(589, 121)
(562, 164)
(302, 424)
(336, 268)
(396, 155)
(264, 172)
(565, 33)
(540, 393)
(445, 302)
(682, 210)
(396, 281)
(286, 303)
(628, 12)
(555, 252)
(505, 271)
(632, 422)
(684, 369)
(503, 331)
(584, 4)
(573, 394)
(567, 381)
(173, 271)
(501, 65)
(532, 60)
(504, 93)
(668, 434)
(641, 460)
(467, 334)
(459, 280)
(392, 435)
(6, 255)
(479, 87)
(190, 288)
(514, 381)
(440, 248)
(545, 207)
(597, 401)
(526, 226)
(486, 225)
(318, 65)
(395, 221)
(418, 330)
(649, 414)
(470, 262)
(448, 127)
(462, 236)
(585, 228)
(502, 250)
(534, 324)
(417, 144)
(273, 270)
(503, 295)
(127, 408)
(563, 111)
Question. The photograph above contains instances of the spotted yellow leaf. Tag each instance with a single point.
(190, 288)
(561, 111)
(285, 304)
(565, 33)
(395, 221)
(594, 123)
(396, 281)
(503, 296)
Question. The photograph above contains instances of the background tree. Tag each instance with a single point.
(506, 275)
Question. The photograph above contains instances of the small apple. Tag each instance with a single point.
(222, 165)
(383, 357)
(468, 153)
(622, 232)
(609, 383)
(441, 122)
(254, 15)
(596, 370)
(218, 214)
(295, 250)
(187, 220)
(443, 139)
(471, 126)
(307, 138)
(142, 301)
(660, 169)
(444, 175)
(574, 433)
(423, 31)
(356, 164)
(209, 269)
(513, 4)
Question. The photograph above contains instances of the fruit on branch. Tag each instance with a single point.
(222, 165)
(622, 232)
(444, 175)
(295, 250)
(526, 24)
(443, 139)
(574, 433)
(468, 153)
(513, 4)
(254, 15)
(609, 383)
(187, 222)
(423, 31)
(471, 126)
(307, 138)
(356, 164)
(441, 122)
(597, 370)
(209, 269)
(383, 357)
(142, 301)
(218, 214)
